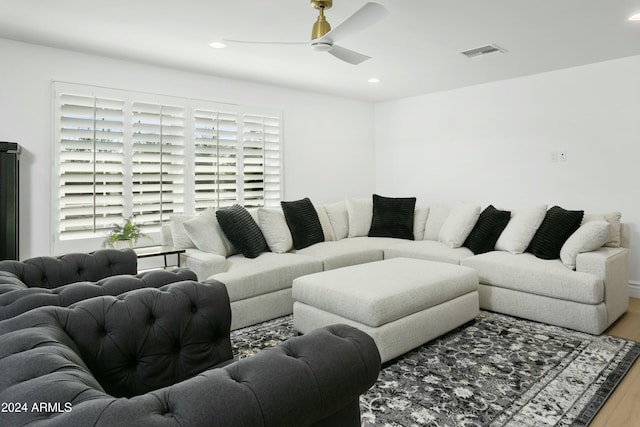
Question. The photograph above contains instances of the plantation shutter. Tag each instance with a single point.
(272, 161)
(120, 154)
(158, 162)
(215, 150)
(261, 157)
(90, 157)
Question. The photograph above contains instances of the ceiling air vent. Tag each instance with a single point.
(484, 50)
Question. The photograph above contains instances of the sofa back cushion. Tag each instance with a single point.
(207, 235)
(339, 219)
(50, 272)
(151, 338)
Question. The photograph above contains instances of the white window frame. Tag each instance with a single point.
(266, 138)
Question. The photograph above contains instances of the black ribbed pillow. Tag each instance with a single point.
(488, 228)
(242, 230)
(303, 222)
(392, 217)
(557, 226)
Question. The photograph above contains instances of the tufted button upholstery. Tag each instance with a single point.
(23, 298)
(91, 354)
(52, 272)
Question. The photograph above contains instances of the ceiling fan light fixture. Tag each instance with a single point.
(321, 46)
(217, 45)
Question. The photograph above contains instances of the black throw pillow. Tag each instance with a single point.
(303, 222)
(487, 230)
(557, 226)
(393, 217)
(242, 230)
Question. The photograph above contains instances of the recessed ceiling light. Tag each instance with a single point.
(217, 45)
(635, 17)
(374, 80)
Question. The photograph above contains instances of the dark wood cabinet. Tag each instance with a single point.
(9, 201)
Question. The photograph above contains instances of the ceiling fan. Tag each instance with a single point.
(323, 37)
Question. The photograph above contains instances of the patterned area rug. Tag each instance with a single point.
(496, 371)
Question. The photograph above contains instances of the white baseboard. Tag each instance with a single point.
(634, 289)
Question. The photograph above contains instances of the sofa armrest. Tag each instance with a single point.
(203, 264)
(10, 282)
(612, 266)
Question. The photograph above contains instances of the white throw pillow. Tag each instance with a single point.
(181, 239)
(420, 222)
(613, 218)
(458, 225)
(275, 230)
(206, 234)
(437, 215)
(329, 235)
(360, 212)
(589, 237)
(339, 219)
(522, 226)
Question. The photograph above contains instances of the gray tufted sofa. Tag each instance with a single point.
(64, 280)
(163, 357)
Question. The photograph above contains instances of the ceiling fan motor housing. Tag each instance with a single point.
(321, 26)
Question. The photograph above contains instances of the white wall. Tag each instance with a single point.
(492, 143)
(328, 140)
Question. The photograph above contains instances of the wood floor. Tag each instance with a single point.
(623, 407)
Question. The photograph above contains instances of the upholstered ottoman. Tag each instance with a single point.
(401, 303)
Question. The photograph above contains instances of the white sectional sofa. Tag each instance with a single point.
(585, 289)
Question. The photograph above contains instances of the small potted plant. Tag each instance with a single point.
(124, 236)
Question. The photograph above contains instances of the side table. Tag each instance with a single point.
(154, 251)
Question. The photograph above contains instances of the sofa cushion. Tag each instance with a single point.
(179, 236)
(420, 222)
(392, 217)
(275, 230)
(303, 222)
(458, 225)
(527, 273)
(360, 213)
(207, 235)
(613, 218)
(524, 223)
(339, 219)
(557, 226)
(430, 250)
(242, 230)
(589, 237)
(327, 229)
(268, 272)
(354, 250)
(485, 233)
(437, 216)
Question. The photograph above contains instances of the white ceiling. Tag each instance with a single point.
(415, 50)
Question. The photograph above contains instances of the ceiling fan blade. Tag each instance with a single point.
(366, 16)
(347, 55)
(262, 42)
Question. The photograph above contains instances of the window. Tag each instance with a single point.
(120, 154)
